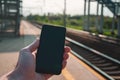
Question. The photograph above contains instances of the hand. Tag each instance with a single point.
(25, 67)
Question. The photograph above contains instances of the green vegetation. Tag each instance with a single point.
(76, 22)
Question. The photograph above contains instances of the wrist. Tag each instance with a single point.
(13, 75)
(18, 75)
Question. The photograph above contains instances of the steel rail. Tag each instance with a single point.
(93, 50)
(88, 62)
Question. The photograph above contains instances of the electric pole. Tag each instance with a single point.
(64, 13)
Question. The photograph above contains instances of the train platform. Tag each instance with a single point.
(9, 51)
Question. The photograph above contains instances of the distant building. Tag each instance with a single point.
(10, 13)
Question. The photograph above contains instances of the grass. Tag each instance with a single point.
(106, 32)
(75, 27)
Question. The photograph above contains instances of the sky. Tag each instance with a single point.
(74, 7)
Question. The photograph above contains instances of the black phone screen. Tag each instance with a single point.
(50, 51)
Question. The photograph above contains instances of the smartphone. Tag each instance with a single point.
(50, 52)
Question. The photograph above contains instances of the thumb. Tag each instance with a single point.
(34, 45)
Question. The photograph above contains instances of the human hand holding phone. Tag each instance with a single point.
(25, 68)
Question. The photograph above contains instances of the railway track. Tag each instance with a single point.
(105, 65)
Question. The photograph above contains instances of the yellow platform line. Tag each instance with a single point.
(67, 75)
(87, 67)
